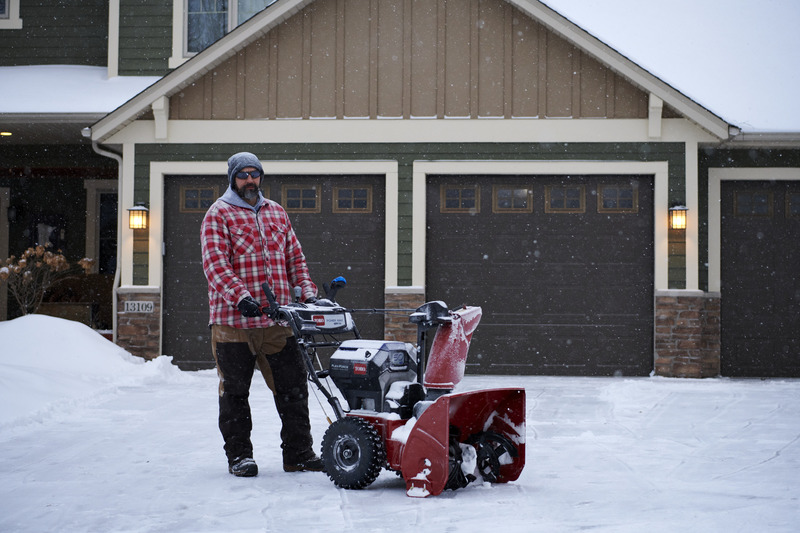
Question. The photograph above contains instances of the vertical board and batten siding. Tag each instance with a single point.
(424, 59)
(65, 33)
(145, 37)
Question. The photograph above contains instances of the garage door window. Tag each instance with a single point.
(352, 199)
(301, 199)
(752, 204)
(618, 199)
(197, 199)
(459, 199)
(793, 205)
(565, 199)
(511, 200)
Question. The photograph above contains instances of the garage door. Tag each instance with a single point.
(561, 265)
(339, 221)
(760, 286)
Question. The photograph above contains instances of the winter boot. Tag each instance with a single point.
(312, 464)
(244, 467)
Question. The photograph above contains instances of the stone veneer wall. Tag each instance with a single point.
(139, 331)
(396, 326)
(687, 336)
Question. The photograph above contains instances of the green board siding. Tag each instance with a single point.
(405, 154)
(145, 38)
(71, 33)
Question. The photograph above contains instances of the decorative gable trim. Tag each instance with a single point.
(260, 25)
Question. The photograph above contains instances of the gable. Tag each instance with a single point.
(408, 59)
(398, 59)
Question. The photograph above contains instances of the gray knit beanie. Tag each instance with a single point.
(239, 161)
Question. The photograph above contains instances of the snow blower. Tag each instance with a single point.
(402, 413)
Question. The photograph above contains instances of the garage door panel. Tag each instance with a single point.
(760, 288)
(548, 283)
(335, 244)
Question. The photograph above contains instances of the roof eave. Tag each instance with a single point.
(765, 139)
(698, 114)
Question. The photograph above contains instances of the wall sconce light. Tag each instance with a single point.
(677, 217)
(137, 216)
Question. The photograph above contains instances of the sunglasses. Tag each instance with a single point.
(255, 174)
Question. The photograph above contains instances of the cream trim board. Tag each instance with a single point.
(113, 38)
(125, 199)
(715, 178)
(411, 131)
(177, 59)
(159, 169)
(13, 22)
(93, 190)
(692, 233)
(658, 169)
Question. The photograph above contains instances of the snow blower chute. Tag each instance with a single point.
(402, 412)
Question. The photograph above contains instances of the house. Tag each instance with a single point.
(54, 187)
(486, 152)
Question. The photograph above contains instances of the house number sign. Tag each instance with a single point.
(134, 306)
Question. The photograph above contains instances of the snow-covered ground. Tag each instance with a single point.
(93, 439)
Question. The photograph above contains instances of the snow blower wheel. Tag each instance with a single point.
(352, 453)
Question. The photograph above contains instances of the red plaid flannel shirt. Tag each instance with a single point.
(243, 249)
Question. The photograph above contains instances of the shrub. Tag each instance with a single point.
(29, 275)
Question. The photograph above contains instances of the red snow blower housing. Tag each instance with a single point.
(402, 412)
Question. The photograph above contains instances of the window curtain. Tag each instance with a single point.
(206, 21)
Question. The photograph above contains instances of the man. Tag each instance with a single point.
(247, 240)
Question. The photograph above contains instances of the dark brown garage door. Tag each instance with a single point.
(561, 265)
(760, 285)
(339, 221)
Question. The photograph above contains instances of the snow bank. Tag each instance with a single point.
(47, 364)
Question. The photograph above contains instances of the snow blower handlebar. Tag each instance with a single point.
(301, 329)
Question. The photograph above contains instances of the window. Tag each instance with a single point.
(301, 199)
(459, 199)
(618, 198)
(508, 199)
(197, 199)
(565, 199)
(752, 204)
(9, 15)
(208, 20)
(352, 199)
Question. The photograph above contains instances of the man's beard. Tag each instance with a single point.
(248, 193)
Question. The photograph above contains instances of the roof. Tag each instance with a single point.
(281, 10)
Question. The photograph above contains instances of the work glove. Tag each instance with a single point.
(249, 307)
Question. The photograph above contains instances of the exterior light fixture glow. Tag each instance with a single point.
(677, 217)
(137, 216)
